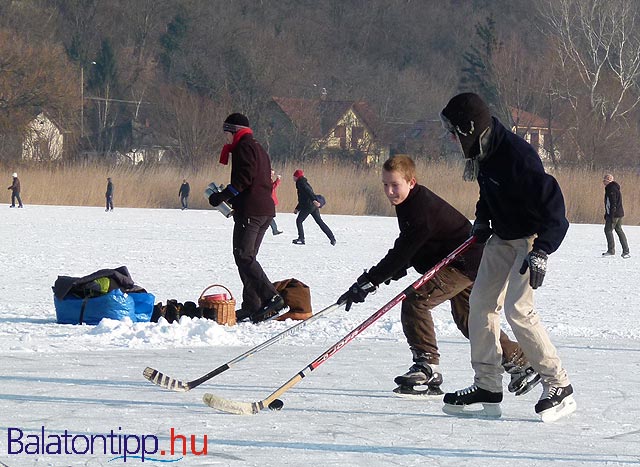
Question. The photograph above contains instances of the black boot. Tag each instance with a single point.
(269, 309)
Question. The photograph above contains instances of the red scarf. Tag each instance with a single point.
(227, 148)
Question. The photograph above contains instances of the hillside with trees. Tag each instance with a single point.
(117, 74)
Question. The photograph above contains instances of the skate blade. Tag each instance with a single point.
(567, 407)
(270, 316)
(488, 410)
(413, 394)
(527, 386)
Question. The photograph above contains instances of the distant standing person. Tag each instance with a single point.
(15, 191)
(613, 214)
(275, 183)
(308, 204)
(183, 193)
(109, 195)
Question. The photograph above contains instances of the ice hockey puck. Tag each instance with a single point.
(276, 404)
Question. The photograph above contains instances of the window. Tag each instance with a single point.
(357, 133)
(340, 132)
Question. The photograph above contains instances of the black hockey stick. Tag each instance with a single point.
(272, 401)
(167, 382)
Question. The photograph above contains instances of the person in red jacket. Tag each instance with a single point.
(275, 183)
(249, 192)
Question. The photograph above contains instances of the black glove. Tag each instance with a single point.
(397, 276)
(357, 292)
(481, 231)
(216, 198)
(536, 261)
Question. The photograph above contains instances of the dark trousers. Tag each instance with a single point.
(14, 197)
(184, 200)
(109, 203)
(611, 224)
(417, 321)
(302, 215)
(274, 226)
(248, 233)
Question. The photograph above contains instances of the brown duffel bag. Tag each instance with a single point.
(297, 296)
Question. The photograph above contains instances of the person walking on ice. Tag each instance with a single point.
(308, 204)
(613, 214)
(15, 191)
(430, 229)
(183, 193)
(521, 215)
(109, 195)
(275, 183)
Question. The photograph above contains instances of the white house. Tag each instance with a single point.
(43, 140)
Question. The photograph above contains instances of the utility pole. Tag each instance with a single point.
(81, 101)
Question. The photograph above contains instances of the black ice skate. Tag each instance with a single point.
(523, 378)
(464, 403)
(269, 310)
(555, 402)
(422, 381)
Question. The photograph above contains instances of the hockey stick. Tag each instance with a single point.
(167, 382)
(272, 401)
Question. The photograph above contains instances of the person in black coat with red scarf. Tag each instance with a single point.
(430, 229)
(249, 192)
(613, 214)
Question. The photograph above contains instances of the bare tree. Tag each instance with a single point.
(598, 48)
(193, 122)
(34, 79)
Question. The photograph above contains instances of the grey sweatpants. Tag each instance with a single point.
(500, 269)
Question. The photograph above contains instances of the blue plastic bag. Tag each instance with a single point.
(113, 305)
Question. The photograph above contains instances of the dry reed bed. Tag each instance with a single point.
(349, 189)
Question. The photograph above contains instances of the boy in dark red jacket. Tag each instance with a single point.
(249, 192)
(430, 229)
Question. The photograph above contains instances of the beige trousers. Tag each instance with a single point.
(500, 285)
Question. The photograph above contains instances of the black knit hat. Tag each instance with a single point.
(235, 122)
(467, 116)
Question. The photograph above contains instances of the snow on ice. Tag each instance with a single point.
(75, 395)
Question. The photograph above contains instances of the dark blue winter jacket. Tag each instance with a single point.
(516, 194)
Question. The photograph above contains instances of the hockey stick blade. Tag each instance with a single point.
(167, 382)
(228, 406)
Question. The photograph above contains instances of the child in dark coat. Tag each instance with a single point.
(430, 229)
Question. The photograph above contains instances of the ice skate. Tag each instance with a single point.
(466, 403)
(555, 402)
(523, 378)
(422, 381)
(270, 310)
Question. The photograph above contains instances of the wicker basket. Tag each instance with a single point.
(218, 307)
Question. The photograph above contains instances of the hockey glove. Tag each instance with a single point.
(357, 292)
(536, 262)
(481, 231)
(396, 277)
(216, 198)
